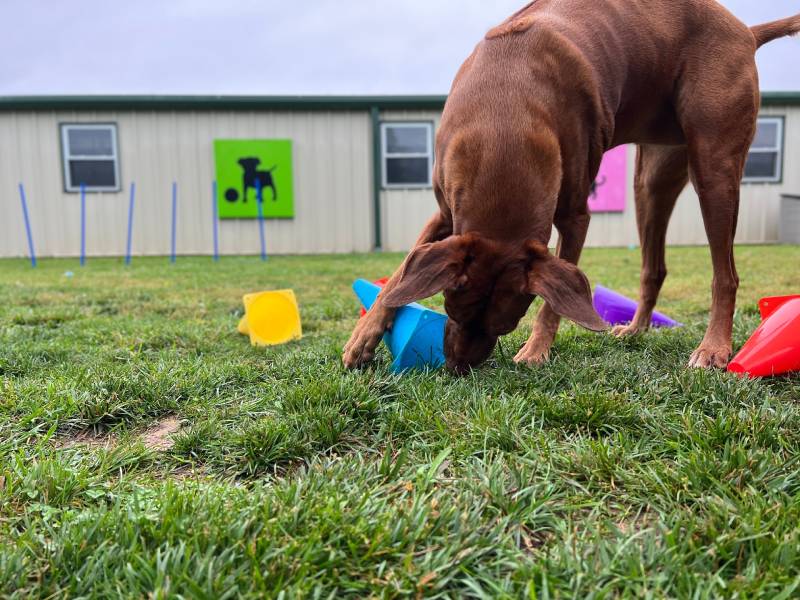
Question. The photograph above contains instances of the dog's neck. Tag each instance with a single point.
(502, 182)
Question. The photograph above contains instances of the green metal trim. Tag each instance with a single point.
(210, 103)
(433, 102)
(780, 98)
(375, 115)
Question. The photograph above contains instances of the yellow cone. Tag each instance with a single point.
(242, 327)
(271, 318)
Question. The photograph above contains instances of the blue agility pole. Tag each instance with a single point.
(27, 224)
(83, 224)
(172, 257)
(215, 219)
(260, 203)
(130, 224)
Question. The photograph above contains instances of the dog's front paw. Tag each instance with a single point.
(360, 349)
(711, 356)
(533, 354)
(629, 330)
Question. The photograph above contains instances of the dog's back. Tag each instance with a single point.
(615, 58)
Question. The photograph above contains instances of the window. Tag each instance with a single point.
(90, 157)
(407, 154)
(765, 161)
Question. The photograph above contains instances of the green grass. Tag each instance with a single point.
(613, 471)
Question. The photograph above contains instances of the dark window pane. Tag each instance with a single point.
(92, 173)
(406, 140)
(766, 135)
(90, 142)
(407, 171)
(761, 164)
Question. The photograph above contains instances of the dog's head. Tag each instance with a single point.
(488, 287)
(249, 164)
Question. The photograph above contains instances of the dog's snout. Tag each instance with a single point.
(465, 347)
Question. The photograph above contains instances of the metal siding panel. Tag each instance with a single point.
(12, 225)
(332, 177)
(333, 171)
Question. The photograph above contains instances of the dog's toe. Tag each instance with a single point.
(360, 349)
(710, 357)
(532, 356)
(622, 331)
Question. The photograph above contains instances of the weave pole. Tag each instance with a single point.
(130, 224)
(260, 203)
(83, 224)
(173, 244)
(215, 219)
(27, 224)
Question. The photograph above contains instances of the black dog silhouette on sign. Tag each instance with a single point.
(596, 184)
(253, 178)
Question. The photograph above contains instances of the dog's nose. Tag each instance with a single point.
(458, 368)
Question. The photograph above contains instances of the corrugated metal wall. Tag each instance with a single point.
(332, 183)
(405, 211)
(332, 179)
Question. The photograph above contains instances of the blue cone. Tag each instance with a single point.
(416, 340)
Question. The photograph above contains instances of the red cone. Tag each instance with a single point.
(774, 348)
(380, 282)
(767, 306)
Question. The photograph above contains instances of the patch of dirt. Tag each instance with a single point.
(635, 524)
(159, 437)
(88, 439)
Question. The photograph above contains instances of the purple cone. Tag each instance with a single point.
(617, 309)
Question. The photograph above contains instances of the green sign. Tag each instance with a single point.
(246, 166)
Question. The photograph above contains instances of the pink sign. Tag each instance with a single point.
(610, 187)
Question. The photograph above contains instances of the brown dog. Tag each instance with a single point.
(527, 121)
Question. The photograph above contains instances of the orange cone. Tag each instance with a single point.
(774, 348)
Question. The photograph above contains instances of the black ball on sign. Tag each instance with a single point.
(231, 195)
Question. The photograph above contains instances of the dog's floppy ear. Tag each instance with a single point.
(429, 269)
(563, 286)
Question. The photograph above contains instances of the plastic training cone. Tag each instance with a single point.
(416, 340)
(380, 282)
(774, 348)
(769, 305)
(616, 309)
(271, 318)
(242, 327)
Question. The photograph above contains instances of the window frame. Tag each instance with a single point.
(779, 149)
(385, 155)
(66, 157)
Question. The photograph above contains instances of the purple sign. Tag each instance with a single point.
(610, 187)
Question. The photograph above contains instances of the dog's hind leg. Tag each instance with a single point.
(719, 127)
(661, 174)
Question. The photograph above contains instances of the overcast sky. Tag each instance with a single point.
(275, 46)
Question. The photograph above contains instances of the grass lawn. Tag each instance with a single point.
(612, 471)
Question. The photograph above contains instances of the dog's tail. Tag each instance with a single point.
(776, 29)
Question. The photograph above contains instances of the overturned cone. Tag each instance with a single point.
(271, 318)
(416, 339)
(774, 348)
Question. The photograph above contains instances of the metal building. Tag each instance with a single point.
(357, 169)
